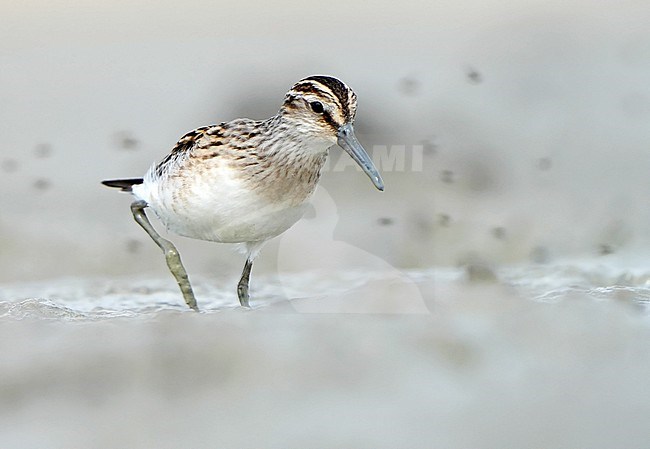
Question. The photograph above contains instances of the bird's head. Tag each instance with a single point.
(322, 108)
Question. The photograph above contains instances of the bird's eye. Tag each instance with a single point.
(317, 107)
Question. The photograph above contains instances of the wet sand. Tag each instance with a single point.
(533, 357)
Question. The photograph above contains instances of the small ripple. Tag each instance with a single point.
(35, 308)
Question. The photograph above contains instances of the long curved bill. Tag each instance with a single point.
(348, 141)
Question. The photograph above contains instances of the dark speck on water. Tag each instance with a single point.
(9, 165)
(428, 147)
(447, 176)
(133, 245)
(480, 272)
(544, 163)
(444, 220)
(409, 86)
(42, 184)
(126, 141)
(43, 150)
(539, 254)
(605, 249)
(474, 76)
(499, 232)
(386, 221)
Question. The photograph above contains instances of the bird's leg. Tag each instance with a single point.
(172, 256)
(242, 287)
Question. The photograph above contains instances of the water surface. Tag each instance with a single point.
(528, 356)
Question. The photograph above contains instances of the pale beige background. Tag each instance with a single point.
(533, 115)
(534, 118)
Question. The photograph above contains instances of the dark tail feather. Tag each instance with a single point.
(123, 184)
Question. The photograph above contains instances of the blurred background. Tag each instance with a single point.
(502, 275)
(530, 120)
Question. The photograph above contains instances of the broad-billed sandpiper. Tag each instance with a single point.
(247, 181)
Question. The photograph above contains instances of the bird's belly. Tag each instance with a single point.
(247, 224)
(256, 225)
(224, 213)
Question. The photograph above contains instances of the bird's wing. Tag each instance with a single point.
(184, 148)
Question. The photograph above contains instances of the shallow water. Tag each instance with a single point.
(528, 356)
(518, 133)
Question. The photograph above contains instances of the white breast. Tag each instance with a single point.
(214, 205)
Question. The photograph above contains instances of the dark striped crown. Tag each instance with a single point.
(339, 100)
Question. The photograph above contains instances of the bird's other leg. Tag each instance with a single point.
(253, 249)
(172, 256)
(242, 287)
